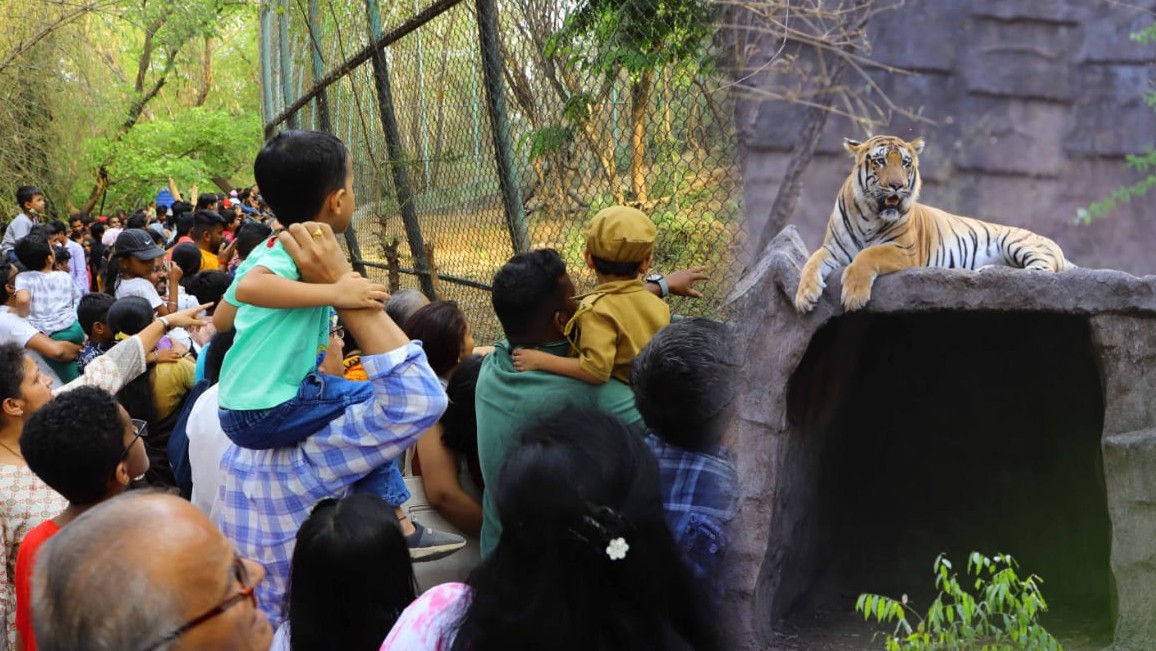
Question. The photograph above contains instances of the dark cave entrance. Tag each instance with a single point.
(915, 434)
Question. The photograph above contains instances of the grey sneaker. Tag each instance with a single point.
(427, 544)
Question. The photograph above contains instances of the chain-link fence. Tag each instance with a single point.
(479, 129)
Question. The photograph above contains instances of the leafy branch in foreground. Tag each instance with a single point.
(1003, 613)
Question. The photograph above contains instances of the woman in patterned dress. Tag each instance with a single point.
(26, 501)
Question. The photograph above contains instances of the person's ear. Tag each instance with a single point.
(588, 258)
(121, 475)
(99, 328)
(645, 264)
(13, 407)
(335, 200)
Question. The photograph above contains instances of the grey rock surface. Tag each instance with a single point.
(1116, 308)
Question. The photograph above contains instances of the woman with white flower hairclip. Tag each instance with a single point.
(585, 562)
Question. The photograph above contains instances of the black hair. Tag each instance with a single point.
(351, 576)
(441, 326)
(460, 421)
(34, 250)
(83, 218)
(97, 229)
(209, 287)
(60, 252)
(608, 268)
(206, 200)
(297, 170)
(684, 382)
(93, 308)
(187, 256)
(138, 220)
(180, 207)
(26, 193)
(579, 480)
(214, 353)
(75, 442)
(183, 223)
(249, 235)
(130, 315)
(8, 271)
(203, 221)
(12, 358)
(56, 227)
(527, 291)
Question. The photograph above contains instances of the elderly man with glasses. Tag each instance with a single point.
(146, 571)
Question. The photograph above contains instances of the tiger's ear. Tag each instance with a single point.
(852, 146)
(917, 145)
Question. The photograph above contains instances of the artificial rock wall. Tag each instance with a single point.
(998, 410)
(1033, 104)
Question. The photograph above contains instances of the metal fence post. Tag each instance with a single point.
(396, 154)
(488, 40)
(267, 105)
(284, 60)
(325, 123)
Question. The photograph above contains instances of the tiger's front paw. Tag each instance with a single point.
(857, 282)
(807, 296)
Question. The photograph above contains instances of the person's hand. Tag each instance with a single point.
(187, 318)
(314, 248)
(167, 356)
(528, 359)
(680, 282)
(69, 351)
(175, 272)
(353, 292)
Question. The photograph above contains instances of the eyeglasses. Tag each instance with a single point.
(338, 332)
(241, 573)
(140, 428)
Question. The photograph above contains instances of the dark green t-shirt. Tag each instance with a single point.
(509, 400)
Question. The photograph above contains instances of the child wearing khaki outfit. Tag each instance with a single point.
(619, 317)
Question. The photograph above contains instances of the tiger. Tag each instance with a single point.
(877, 227)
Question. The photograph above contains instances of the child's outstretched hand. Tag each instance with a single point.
(352, 291)
(528, 359)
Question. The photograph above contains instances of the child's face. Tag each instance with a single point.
(35, 204)
(142, 268)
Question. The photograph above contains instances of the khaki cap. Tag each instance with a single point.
(621, 234)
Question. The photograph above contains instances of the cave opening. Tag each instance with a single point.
(918, 434)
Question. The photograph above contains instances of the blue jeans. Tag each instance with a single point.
(320, 399)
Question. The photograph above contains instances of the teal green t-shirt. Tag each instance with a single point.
(274, 349)
(508, 400)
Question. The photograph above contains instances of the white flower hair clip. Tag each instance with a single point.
(617, 549)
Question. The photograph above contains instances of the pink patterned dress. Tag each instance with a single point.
(430, 622)
(25, 502)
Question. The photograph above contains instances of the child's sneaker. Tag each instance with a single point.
(427, 544)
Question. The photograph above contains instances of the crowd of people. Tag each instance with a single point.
(215, 434)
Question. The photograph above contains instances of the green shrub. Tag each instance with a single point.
(1002, 614)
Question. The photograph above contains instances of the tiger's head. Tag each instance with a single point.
(886, 174)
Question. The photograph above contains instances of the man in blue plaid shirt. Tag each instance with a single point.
(267, 494)
(684, 385)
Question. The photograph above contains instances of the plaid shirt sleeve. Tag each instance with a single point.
(267, 494)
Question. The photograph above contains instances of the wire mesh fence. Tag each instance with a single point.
(479, 129)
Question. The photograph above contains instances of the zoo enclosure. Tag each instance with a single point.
(479, 129)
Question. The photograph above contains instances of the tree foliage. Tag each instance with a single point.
(1001, 614)
(1144, 163)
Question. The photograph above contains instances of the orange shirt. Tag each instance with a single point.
(25, 561)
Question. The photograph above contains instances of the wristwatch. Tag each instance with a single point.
(660, 280)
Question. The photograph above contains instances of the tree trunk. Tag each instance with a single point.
(816, 118)
(206, 73)
(639, 101)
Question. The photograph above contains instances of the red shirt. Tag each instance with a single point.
(25, 561)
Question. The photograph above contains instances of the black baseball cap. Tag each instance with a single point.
(138, 243)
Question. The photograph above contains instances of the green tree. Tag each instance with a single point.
(638, 38)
